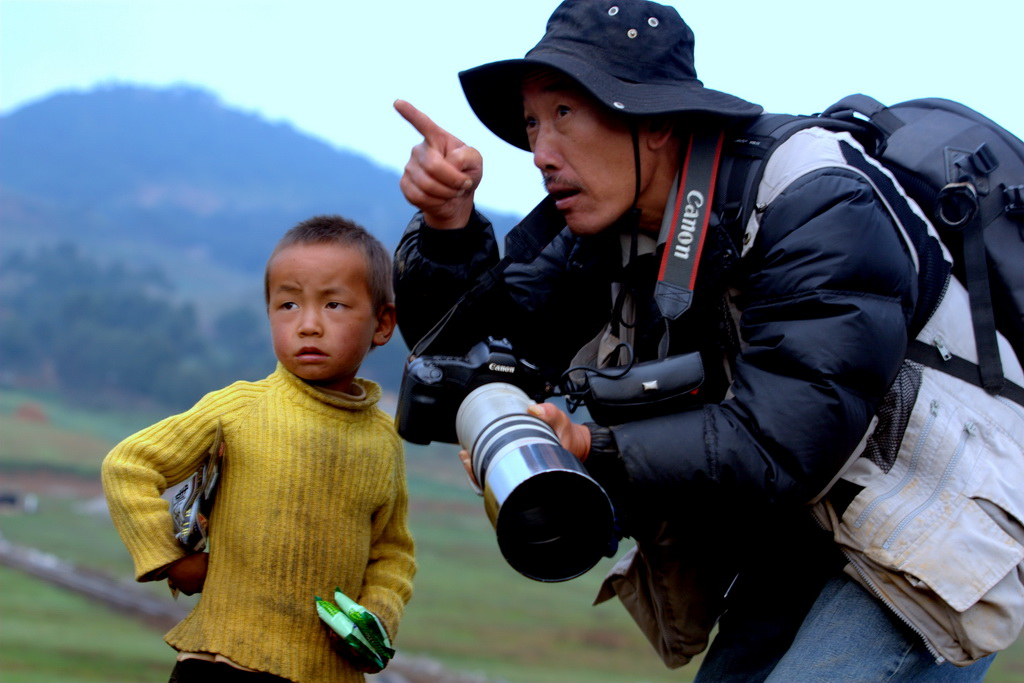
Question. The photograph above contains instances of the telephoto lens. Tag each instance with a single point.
(552, 520)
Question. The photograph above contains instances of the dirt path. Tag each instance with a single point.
(51, 483)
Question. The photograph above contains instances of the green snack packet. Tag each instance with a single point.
(368, 623)
(348, 630)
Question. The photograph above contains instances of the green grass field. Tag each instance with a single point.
(49, 635)
(470, 612)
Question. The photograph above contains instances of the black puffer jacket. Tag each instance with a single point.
(822, 296)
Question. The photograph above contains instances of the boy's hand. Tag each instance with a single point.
(355, 658)
(189, 573)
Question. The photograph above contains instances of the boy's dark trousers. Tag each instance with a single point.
(201, 671)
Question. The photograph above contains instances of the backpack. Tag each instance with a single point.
(965, 172)
(927, 511)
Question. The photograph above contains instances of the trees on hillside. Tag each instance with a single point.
(105, 332)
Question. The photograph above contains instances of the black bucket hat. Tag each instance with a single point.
(635, 56)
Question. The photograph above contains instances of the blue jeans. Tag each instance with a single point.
(847, 635)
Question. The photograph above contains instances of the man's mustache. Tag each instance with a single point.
(560, 184)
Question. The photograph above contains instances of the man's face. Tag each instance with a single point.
(583, 150)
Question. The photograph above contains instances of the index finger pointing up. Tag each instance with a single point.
(435, 136)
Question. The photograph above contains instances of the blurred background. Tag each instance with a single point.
(151, 154)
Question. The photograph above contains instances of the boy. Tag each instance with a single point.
(312, 493)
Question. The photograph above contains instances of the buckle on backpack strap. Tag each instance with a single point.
(1013, 198)
(984, 159)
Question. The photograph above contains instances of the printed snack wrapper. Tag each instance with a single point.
(191, 505)
(358, 627)
(368, 623)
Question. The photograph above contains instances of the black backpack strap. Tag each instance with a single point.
(878, 114)
(982, 314)
(961, 368)
(743, 164)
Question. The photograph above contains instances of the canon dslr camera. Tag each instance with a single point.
(552, 520)
(433, 387)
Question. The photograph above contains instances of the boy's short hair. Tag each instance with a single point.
(332, 229)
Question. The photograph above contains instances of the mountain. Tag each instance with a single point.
(178, 169)
(173, 182)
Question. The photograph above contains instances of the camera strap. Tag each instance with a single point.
(523, 244)
(684, 225)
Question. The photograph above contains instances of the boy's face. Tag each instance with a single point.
(322, 318)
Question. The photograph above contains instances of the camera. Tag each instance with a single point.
(434, 386)
(553, 521)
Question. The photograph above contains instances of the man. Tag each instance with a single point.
(800, 319)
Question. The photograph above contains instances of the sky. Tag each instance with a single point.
(333, 68)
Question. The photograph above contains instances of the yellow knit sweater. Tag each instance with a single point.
(312, 495)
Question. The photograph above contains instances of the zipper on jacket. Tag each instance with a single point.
(939, 344)
(1017, 409)
(970, 429)
(939, 659)
(870, 585)
(933, 412)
